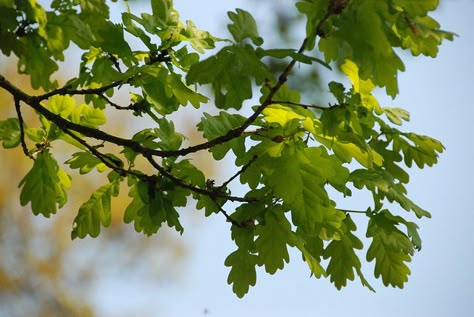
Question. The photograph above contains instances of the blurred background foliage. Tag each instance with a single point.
(43, 272)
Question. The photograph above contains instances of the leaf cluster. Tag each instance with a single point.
(292, 158)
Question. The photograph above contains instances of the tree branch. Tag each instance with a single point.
(113, 104)
(305, 106)
(235, 133)
(89, 91)
(104, 158)
(202, 191)
(34, 102)
(226, 215)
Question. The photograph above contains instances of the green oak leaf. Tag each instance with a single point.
(343, 260)
(243, 26)
(421, 149)
(129, 26)
(149, 209)
(210, 205)
(199, 40)
(230, 72)
(273, 237)
(311, 249)
(412, 228)
(298, 178)
(390, 158)
(242, 262)
(166, 91)
(85, 162)
(314, 11)
(95, 212)
(38, 64)
(95, 8)
(422, 34)
(88, 116)
(417, 8)
(7, 3)
(169, 138)
(62, 105)
(161, 11)
(183, 93)
(362, 27)
(216, 126)
(10, 133)
(189, 173)
(242, 274)
(114, 42)
(396, 115)
(391, 249)
(383, 185)
(45, 186)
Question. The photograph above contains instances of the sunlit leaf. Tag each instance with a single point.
(95, 212)
(244, 26)
(391, 249)
(10, 133)
(45, 186)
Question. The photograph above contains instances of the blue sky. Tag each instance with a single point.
(437, 92)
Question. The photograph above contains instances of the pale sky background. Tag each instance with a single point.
(438, 94)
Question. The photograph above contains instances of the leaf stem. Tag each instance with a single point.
(306, 106)
(352, 211)
(202, 191)
(243, 169)
(22, 129)
(229, 218)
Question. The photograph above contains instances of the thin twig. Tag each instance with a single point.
(103, 158)
(89, 91)
(22, 129)
(226, 215)
(243, 169)
(113, 104)
(305, 106)
(202, 191)
(352, 211)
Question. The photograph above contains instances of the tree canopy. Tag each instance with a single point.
(294, 158)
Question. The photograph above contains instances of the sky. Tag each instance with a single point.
(437, 93)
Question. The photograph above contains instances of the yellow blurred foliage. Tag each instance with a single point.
(39, 264)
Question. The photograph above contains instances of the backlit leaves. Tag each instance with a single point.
(10, 133)
(391, 249)
(86, 115)
(45, 186)
(382, 185)
(298, 180)
(95, 212)
(85, 162)
(242, 262)
(243, 26)
(230, 73)
(343, 259)
(150, 208)
(289, 149)
(273, 237)
(365, 27)
(396, 115)
(216, 126)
